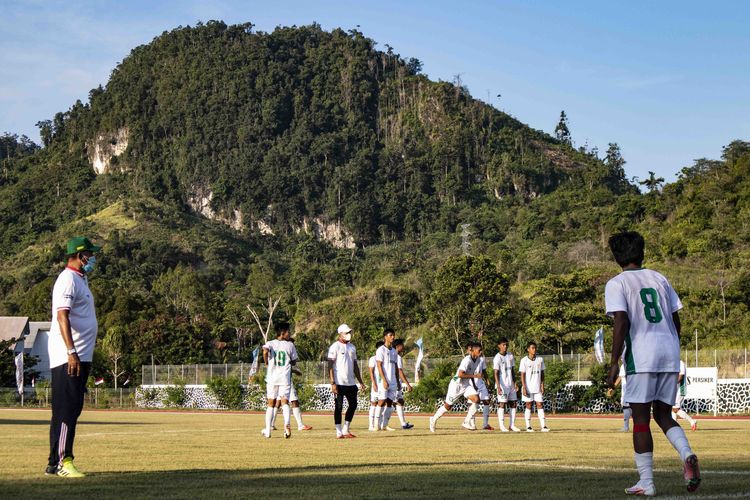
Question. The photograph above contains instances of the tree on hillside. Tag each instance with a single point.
(562, 132)
(469, 299)
(614, 161)
(563, 311)
(653, 183)
(113, 346)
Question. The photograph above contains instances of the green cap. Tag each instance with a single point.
(81, 244)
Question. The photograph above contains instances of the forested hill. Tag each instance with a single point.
(220, 166)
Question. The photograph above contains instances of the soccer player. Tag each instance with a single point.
(622, 380)
(279, 356)
(462, 384)
(505, 382)
(484, 397)
(645, 310)
(343, 369)
(398, 344)
(386, 362)
(677, 410)
(374, 383)
(532, 380)
(293, 402)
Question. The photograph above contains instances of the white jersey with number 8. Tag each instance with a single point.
(652, 344)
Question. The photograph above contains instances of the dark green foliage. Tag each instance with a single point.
(431, 389)
(556, 376)
(598, 388)
(227, 391)
(175, 395)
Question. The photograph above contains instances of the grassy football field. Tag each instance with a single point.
(215, 455)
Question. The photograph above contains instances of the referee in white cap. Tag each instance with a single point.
(344, 372)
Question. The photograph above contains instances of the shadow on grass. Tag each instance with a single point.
(368, 480)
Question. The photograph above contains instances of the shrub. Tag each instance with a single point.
(227, 391)
(556, 376)
(175, 395)
(598, 388)
(432, 388)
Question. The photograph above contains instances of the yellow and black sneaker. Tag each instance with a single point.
(67, 469)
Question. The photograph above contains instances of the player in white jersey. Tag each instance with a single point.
(645, 309)
(398, 345)
(677, 410)
(462, 384)
(374, 384)
(386, 363)
(279, 355)
(505, 383)
(484, 396)
(532, 380)
(293, 403)
(622, 381)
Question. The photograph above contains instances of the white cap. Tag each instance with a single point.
(344, 328)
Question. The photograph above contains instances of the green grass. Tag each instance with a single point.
(215, 455)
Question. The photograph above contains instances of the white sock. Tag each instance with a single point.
(677, 437)
(540, 414)
(644, 462)
(627, 413)
(683, 414)
(269, 418)
(400, 413)
(338, 429)
(486, 414)
(372, 415)
(298, 416)
(440, 412)
(512, 416)
(387, 415)
(500, 416)
(287, 416)
(345, 427)
(527, 416)
(378, 414)
(472, 411)
(273, 416)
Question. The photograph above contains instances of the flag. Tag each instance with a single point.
(126, 382)
(19, 372)
(599, 345)
(99, 380)
(420, 356)
(254, 367)
(33, 381)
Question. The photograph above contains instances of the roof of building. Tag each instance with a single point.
(34, 328)
(13, 327)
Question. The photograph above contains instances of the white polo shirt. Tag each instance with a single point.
(71, 292)
(343, 355)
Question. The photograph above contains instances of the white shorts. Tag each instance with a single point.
(455, 391)
(482, 391)
(293, 394)
(278, 391)
(507, 394)
(678, 400)
(622, 398)
(651, 386)
(389, 393)
(399, 395)
(533, 396)
(373, 394)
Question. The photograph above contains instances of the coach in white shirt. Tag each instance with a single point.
(343, 369)
(72, 338)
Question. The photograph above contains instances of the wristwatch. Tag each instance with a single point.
(72, 350)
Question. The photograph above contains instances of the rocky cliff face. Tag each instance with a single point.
(103, 150)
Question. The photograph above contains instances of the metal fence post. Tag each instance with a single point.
(579, 366)
(745, 362)
(196, 374)
(226, 370)
(120, 397)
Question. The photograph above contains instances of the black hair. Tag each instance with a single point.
(388, 330)
(502, 340)
(398, 342)
(627, 248)
(531, 343)
(379, 343)
(472, 344)
(280, 327)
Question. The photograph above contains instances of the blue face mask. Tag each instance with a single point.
(89, 265)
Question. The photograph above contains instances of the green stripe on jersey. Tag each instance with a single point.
(629, 360)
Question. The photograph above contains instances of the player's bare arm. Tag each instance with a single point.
(523, 385)
(622, 327)
(402, 376)
(334, 389)
(74, 362)
(374, 379)
(497, 383)
(358, 375)
(677, 323)
(382, 374)
(541, 385)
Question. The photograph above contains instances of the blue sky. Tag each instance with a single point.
(669, 81)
